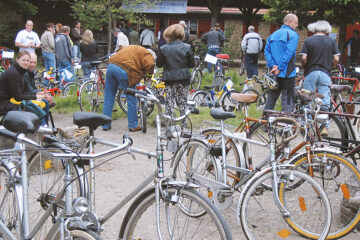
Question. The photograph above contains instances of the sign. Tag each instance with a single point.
(210, 59)
(158, 6)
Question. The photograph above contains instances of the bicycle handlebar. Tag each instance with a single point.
(293, 121)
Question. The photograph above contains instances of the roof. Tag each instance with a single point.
(225, 10)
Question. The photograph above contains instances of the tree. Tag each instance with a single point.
(94, 14)
(337, 12)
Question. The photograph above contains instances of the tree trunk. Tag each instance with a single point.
(109, 47)
(342, 36)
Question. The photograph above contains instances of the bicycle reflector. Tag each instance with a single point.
(271, 81)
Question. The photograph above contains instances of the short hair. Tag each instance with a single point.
(87, 37)
(217, 25)
(174, 32)
(65, 29)
(50, 24)
(76, 22)
(320, 26)
(289, 18)
(22, 53)
(251, 27)
(115, 30)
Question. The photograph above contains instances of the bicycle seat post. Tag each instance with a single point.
(223, 152)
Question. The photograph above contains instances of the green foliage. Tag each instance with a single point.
(229, 46)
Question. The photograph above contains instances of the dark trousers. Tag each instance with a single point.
(287, 90)
(251, 64)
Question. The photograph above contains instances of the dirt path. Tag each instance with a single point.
(118, 177)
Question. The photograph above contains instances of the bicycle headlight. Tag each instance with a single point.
(81, 205)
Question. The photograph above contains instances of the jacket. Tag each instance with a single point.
(136, 61)
(213, 39)
(12, 85)
(251, 43)
(75, 36)
(63, 47)
(280, 50)
(176, 58)
(47, 42)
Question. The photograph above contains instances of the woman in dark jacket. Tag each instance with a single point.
(88, 49)
(12, 84)
(176, 58)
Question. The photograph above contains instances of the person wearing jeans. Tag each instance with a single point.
(126, 68)
(251, 46)
(48, 49)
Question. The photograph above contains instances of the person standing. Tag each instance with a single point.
(280, 54)
(251, 46)
(63, 53)
(147, 39)
(187, 36)
(126, 68)
(75, 35)
(88, 49)
(48, 47)
(121, 39)
(353, 49)
(176, 58)
(27, 39)
(318, 55)
(134, 36)
(214, 40)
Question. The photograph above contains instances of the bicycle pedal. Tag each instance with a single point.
(226, 192)
(259, 191)
(215, 151)
(115, 110)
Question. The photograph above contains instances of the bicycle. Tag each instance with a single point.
(221, 65)
(18, 190)
(250, 89)
(173, 202)
(199, 164)
(242, 64)
(6, 55)
(213, 98)
(197, 74)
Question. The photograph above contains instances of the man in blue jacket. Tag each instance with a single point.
(280, 54)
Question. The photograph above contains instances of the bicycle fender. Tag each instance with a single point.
(328, 150)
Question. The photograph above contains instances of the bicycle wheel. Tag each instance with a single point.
(218, 82)
(341, 180)
(71, 89)
(143, 117)
(200, 98)
(46, 178)
(40, 86)
(82, 234)
(196, 78)
(335, 129)
(9, 204)
(242, 67)
(308, 207)
(140, 220)
(91, 97)
(122, 101)
(227, 103)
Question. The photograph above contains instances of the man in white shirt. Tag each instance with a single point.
(122, 40)
(27, 39)
(251, 46)
(147, 39)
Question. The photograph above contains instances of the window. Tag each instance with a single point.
(193, 26)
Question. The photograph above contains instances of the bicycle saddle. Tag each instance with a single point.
(221, 115)
(223, 56)
(21, 122)
(244, 97)
(307, 97)
(90, 119)
(340, 88)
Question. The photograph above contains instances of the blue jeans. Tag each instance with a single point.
(321, 81)
(213, 52)
(76, 52)
(251, 65)
(49, 62)
(116, 77)
(45, 119)
(86, 67)
(65, 64)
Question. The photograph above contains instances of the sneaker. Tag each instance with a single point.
(324, 132)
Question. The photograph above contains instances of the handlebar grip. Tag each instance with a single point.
(132, 91)
(13, 101)
(9, 134)
(293, 121)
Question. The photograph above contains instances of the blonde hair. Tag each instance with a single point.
(174, 32)
(22, 53)
(88, 37)
(65, 29)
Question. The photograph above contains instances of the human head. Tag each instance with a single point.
(116, 31)
(320, 26)
(65, 30)
(33, 61)
(183, 24)
(251, 28)
(134, 27)
(77, 24)
(291, 20)
(58, 27)
(87, 37)
(23, 59)
(29, 25)
(174, 32)
(217, 26)
(356, 34)
(50, 27)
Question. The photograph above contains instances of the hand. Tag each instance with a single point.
(275, 70)
(39, 95)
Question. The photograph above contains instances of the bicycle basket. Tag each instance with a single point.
(29, 106)
(271, 81)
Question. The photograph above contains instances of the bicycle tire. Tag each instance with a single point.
(122, 101)
(9, 204)
(218, 82)
(196, 78)
(71, 89)
(332, 170)
(45, 181)
(305, 204)
(91, 97)
(40, 86)
(79, 234)
(357, 122)
(336, 129)
(228, 104)
(143, 117)
(140, 221)
(200, 98)
(242, 67)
